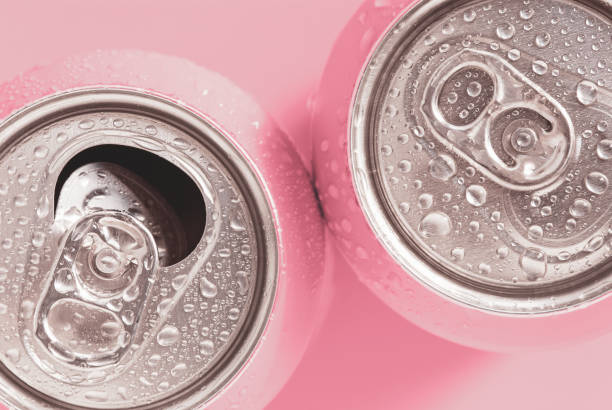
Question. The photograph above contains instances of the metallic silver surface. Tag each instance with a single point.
(480, 148)
(96, 311)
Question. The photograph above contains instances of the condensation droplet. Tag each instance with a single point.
(542, 40)
(505, 31)
(476, 195)
(580, 208)
(442, 167)
(207, 288)
(596, 182)
(533, 263)
(539, 67)
(435, 224)
(604, 149)
(586, 92)
(168, 336)
(514, 54)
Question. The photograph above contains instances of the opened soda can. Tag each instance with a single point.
(462, 155)
(161, 244)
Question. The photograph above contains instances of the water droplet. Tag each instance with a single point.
(13, 355)
(178, 281)
(154, 360)
(457, 254)
(474, 226)
(43, 208)
(27, 309)
(64, 281)
(602, 126)
(539, 67)
(95, 395)
(595, 243)
(207, 288)
(41, 151)
(435, 224)
(237, 225)
(469, 16)
(178, 369)
(586, 92)
(542, 40)
(38, 239)
(207, 347)
(20, 201)
(596, 182)
(418, 131)
(564, 255)
(514, 54)
(86, 124)
(495, 216)
(580, 208)
(535, 232)
(474, 89)
(168, 336)
(476, 195)
(180, 144)
(484, 269)
(533, 263)
(604, 149)
(151, 129)
(546, 211)
(505, 31)
(527, 13)
(404, 166)
(502, 252)
(425, 201)
(442, 167)
(233, 314)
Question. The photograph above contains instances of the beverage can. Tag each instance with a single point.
(470, 142)
(161, 247)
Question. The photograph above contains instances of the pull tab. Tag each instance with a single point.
(104, 268)
(116, 231)
(499, 121)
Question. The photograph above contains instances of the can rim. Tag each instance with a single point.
(219, 142)
(404, 28)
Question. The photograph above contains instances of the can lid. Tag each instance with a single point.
(480, 148)
(141, 250)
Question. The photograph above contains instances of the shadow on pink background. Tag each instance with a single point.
(365, 356)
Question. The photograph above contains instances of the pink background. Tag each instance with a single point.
(365, 356)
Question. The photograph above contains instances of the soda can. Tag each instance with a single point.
(161, 242)
(461, 154)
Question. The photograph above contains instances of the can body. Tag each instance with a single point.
(369, 241)
(295, 301)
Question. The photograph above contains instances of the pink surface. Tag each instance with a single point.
(365, 356)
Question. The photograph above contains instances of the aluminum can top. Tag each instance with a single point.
(480, 148)
(138, 252)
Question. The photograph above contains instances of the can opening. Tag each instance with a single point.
(168, 181)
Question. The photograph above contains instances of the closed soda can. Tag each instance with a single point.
(161, 244)
(462, 156)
